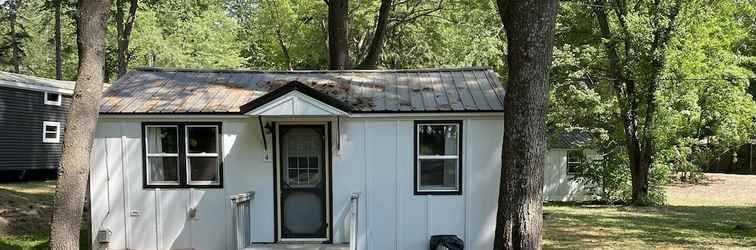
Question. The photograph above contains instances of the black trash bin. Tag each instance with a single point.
(446, 242)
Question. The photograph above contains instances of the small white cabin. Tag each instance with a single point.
(201, 159)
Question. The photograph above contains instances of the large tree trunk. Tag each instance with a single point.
(376, 45)
(338, 45)
(124, 33)
(14, 43)
(80, 126)
(58, 59)
(626, 96)
(529, 26)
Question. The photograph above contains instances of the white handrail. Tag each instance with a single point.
(242, 218)
(354, 214)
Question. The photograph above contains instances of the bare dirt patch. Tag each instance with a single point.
(718, 189)
(25, 207)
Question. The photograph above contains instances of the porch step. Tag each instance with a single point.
(299, 246)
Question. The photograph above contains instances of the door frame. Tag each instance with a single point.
(277, 181)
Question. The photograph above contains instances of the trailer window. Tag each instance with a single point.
(51, 132)
(53, 99)
(182, 155)
(438, 157)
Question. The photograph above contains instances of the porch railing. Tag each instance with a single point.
(353, 220)
(242, 218)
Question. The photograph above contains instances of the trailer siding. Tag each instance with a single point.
(22, 113)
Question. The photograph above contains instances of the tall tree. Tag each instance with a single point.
(124, 28)
(529, 27)
(15, 36)
(80, 126)
(57, 40)
(381, 28)
(649, 59)
(338, 33)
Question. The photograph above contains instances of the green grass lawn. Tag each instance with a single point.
(696, 217)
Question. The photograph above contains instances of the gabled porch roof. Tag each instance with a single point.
(295, 99)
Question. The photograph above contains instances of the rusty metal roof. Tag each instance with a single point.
(155, 91)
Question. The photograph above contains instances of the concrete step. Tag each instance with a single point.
(299, 246)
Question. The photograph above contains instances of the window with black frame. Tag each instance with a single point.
(574, 159)
(182, 155)
(438, 157)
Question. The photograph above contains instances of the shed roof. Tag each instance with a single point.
(155, 91)
(569, 139)
(28, 82)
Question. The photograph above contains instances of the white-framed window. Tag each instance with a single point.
(182, 155)
(202, 161)
(54, 99)
(162, 151)
(50, 132)
(574, 159)
(438, 157)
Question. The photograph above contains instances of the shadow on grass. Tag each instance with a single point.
(570, 227)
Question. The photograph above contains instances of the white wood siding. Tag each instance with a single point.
(557, 183)
(376, 159)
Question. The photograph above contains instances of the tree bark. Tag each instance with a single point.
(80, 126)
(58, 59)
(626, 96)
(529, 26)
(124, 28)
(376, 45)
(338, 44)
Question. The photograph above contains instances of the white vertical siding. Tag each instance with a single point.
(394, 216)
(348, 176)
(376, 159)
(141, 204)
(483, 160)
(106, 180)
(173, 225)
(381, 184)
(557, 183)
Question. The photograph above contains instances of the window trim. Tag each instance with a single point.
(53, 103)
(183, 173)
(45, 139)
(148, 155)
(417, 157)
(568, 162)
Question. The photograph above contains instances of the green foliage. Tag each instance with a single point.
(184, 34)
(704, 104)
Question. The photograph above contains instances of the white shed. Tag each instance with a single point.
(364, 159)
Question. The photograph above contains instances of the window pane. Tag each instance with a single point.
(438, 139)
(162, 139)
(51, 129)
(574, 156)
(204, 168)
(202, 139)
(438, 174)
(163, 169)
(52, 97)
(50, 135)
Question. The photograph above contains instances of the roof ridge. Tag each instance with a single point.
(158, 69)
